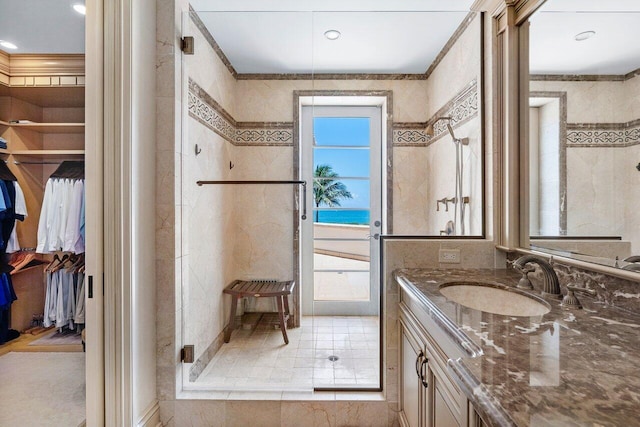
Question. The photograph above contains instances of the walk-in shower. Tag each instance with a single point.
(459, 200)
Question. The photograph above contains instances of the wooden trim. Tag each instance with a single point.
(523, 126)
(526, 8)
(5, 63)
(32, 65)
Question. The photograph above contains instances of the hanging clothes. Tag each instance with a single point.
(64, 299)
(62, 217)
(8, 217)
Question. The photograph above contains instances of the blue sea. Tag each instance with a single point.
(359, 217)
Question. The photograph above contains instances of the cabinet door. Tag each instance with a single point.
(442, 414)
(412, 394)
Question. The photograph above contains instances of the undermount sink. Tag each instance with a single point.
(494, 298)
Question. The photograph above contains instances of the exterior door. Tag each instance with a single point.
(341, 156)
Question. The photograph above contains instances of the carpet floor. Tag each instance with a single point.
(42, 389)
(56, 338)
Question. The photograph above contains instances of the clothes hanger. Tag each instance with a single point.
(79, 262)
(65, 259)
(71, 169)
(53, 262)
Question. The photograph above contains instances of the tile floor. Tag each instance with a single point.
(258, 359)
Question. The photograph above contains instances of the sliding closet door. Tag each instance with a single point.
(95, 380)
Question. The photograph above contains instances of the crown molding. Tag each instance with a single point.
(23, 65)
(41, 69)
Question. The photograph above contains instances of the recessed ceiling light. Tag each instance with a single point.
(8, 45)
(80, 8)
(332, 34)
(584, 35)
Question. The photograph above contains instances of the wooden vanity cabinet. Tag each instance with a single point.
(414, 365)
(428, 396)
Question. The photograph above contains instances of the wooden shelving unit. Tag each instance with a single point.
(53, 104)
(47, 154)
(50, 127)
(47, 127)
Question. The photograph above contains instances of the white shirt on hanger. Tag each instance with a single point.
(72, 239)
(45, 219)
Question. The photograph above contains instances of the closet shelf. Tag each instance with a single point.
(48, 127)
(48, 154)
(4, 151)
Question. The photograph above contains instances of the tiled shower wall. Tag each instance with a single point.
(197, 247)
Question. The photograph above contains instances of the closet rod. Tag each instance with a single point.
(303, 183)
(35, 163)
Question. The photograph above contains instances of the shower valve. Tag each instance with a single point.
(446, 202)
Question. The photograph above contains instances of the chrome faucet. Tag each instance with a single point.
(551, 286)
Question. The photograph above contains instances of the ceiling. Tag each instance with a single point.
(294, 42)
(265, 37)
(42, 26)
(613, 50)
(378, 36)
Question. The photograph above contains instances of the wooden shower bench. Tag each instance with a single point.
(260, 288)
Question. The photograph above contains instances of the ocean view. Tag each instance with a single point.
(359, 217)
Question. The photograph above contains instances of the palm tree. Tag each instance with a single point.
(328, 191)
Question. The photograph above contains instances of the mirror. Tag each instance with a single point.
(584, 131)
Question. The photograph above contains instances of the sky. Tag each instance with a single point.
(347, 162)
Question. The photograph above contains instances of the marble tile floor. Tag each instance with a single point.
(258, 359)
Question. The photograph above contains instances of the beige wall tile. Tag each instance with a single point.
(312, 414)
(253, 413)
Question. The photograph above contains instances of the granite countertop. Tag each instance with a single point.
(569, 367)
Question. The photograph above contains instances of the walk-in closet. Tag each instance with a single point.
(42, 214)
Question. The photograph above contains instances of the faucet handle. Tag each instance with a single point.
(524, 282)
(571, 301)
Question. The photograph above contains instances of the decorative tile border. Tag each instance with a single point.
(462, 108)
(209, 116)
(203, 108)
(603, 134)
(262, 136)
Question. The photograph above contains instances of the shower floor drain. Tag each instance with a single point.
(333, 358)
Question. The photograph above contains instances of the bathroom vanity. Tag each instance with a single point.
(463, 366)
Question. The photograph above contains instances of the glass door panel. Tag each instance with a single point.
(341, 156)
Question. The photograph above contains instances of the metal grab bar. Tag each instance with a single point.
(303, 183)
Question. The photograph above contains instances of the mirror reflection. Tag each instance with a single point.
(584, 124)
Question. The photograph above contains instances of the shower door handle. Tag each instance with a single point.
(375, 236)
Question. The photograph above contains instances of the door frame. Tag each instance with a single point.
(338, 307)
(382, 99)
